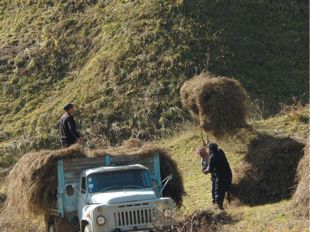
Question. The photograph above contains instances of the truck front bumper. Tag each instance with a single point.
(137, 216)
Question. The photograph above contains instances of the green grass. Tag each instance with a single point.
(294, 122)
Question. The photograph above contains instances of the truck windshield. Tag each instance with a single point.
(106, 181)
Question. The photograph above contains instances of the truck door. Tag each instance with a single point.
(82, 196)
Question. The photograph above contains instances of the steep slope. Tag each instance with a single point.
(123, 62)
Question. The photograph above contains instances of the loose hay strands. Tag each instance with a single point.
(202, 221)
(268, 170)
(220, 103)
(32, 183)
(300, 201)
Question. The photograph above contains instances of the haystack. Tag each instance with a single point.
(268, 170)
(300, 201)
(32, 183)
(218, 102)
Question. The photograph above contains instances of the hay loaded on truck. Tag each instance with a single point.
(110, 193)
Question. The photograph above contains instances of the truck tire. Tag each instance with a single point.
(50, 222)
(51, 228)
(87, 228)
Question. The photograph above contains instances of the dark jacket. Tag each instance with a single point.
(67, 129)
(219, 166)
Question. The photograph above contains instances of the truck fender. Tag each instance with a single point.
(84, 222)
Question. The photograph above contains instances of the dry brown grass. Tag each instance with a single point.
(300, 201)
(220, 103)
(202, 221)
(267, 172)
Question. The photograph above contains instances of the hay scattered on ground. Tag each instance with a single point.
(32, 183)
(202, 221)
(2, 199)
(268, 170)
(18, 224)
(218, 102)
(300, 201)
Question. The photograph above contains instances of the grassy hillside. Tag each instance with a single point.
(123, 62)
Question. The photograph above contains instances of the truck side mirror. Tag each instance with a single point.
(69, 190)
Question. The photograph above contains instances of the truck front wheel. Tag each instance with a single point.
(87, 228)
(51, 228)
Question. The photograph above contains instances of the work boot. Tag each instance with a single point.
(220, 206)
(229, 197)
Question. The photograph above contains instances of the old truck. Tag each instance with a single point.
(110, 193)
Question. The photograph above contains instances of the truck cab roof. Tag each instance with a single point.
(113, 168)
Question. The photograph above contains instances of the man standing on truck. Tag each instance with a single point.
(67, 127)
(221, 175)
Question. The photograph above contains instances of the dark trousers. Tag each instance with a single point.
(213, 189)
(221, 186)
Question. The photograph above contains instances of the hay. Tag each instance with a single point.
(32, 183)
(174, 188)
(2, 199)
(133, 143)
(202, 221)
(300, 201)
(267, 173)
(218, 102)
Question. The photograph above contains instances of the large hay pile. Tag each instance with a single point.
(268, 170)
(300, 201)
(32, 182)
(218, 102)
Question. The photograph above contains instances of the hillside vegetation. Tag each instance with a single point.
(124, 61)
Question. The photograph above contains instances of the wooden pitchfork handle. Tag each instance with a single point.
(204, 143)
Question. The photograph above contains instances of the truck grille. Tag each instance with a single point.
(133, 217)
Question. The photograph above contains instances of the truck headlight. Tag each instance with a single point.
(101, 220)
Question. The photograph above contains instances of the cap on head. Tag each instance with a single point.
(212, 146)
(68, 106)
